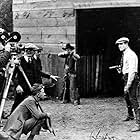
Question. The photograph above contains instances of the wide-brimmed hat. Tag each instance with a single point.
(68, 46)
(36, 88)
(121, 40)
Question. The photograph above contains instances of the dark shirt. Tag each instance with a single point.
(70, 62)
(28, 69)
(38, 74)
(4, 58)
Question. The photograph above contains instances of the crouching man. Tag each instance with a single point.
(28, 117)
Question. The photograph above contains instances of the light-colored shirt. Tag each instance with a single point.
(130, 65)
(27, 58)
(35, 57)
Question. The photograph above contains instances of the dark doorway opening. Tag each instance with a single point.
(96, 33)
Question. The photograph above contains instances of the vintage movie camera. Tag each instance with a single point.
(13, 38)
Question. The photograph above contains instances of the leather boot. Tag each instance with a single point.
(137, 112)
(130, 115)
(137, 127)
(128, 118)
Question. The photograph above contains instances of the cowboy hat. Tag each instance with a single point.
(68, 46)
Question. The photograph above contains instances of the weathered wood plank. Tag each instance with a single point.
(42, 5)
(54, 65)
(44, 22)
(70, 30)
(50, 39)
(77, 4)
(29, 1)
(18, 1)
(46, 13)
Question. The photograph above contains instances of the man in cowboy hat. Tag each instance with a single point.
(130, 76)
(28, 117)
(70, 90)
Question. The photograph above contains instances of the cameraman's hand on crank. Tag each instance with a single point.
(54, 77)
(7, 47)
(19, 89)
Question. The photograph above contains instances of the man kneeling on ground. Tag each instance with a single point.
(27, 117)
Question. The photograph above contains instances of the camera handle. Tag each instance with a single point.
(11, 69)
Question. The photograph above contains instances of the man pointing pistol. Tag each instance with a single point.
(130, 77)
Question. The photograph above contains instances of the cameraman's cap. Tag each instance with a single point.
(38, 48)
(122, 40)
(30, 46)
(68, 46)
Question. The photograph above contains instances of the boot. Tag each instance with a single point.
(128, 118)
(137, 127)
(137, 112)
(130, 115)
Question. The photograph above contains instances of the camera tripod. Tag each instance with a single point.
(10, 68)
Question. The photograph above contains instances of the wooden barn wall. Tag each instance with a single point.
(50, 22)
(46, 23)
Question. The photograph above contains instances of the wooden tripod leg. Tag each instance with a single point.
(6, 89)
(22, 71)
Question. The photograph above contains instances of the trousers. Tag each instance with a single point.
(34, 126)
(131, 98)
(71, 91)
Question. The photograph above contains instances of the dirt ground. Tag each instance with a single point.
(94, 119)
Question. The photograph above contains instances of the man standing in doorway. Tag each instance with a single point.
(130, 76)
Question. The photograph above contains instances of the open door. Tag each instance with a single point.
(96, 33)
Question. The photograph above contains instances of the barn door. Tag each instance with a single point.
(90, 75)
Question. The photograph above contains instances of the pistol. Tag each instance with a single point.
(115, 67)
